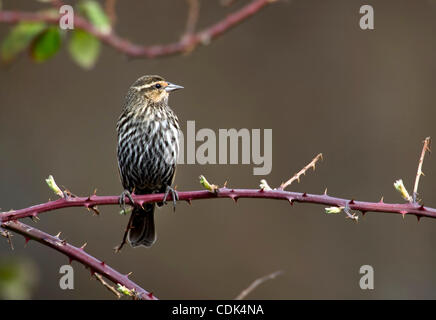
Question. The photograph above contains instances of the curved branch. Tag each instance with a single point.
(133, 50)
(322, 199)
(78, 254)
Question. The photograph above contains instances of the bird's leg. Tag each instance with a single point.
(122, 199)
(174, 196)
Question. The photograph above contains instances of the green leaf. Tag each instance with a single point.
(46, 45)
(93, 11)
(18, 277)
(19, 38)
(84, 48)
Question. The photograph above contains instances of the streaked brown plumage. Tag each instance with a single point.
(148, 146)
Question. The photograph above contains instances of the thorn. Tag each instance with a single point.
(189, 201)
(291, 201)
(103, 263)
(225, 184)
(92, 272)
(95, 192)
(363, 213)
(325, 191)
(35, 216)
(403, 213)
(95, 210)
(83, 246)
(70, 261)
(129, 274)
(351, 201)
(304, 195)
(421, 208)
(418, 217)
(234, 198)
(150, 295)
(381, 200)
(58, 235)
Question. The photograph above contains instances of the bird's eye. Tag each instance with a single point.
(158, 86)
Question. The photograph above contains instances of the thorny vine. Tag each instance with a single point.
(10, 220)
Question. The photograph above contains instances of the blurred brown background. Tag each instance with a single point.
(303, 68)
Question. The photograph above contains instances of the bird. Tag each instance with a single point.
(148, 146)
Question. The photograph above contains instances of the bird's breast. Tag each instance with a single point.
(148, 151)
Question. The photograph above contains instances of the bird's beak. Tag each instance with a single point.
(172, 87)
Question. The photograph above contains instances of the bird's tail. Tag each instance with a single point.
(142, 232)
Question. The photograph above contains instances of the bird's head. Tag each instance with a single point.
(154, 88)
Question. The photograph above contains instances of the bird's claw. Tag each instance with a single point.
(122, 199)
(174, 196)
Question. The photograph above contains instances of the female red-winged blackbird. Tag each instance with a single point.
(148, 146)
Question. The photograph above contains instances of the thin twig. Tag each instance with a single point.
(133, 50)
(107, 285)
(257, 283)
(110, 10)
(118, 248)
(8, 236)
(419, 173)
(193, 13)
(297, 176)
(79, 255)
